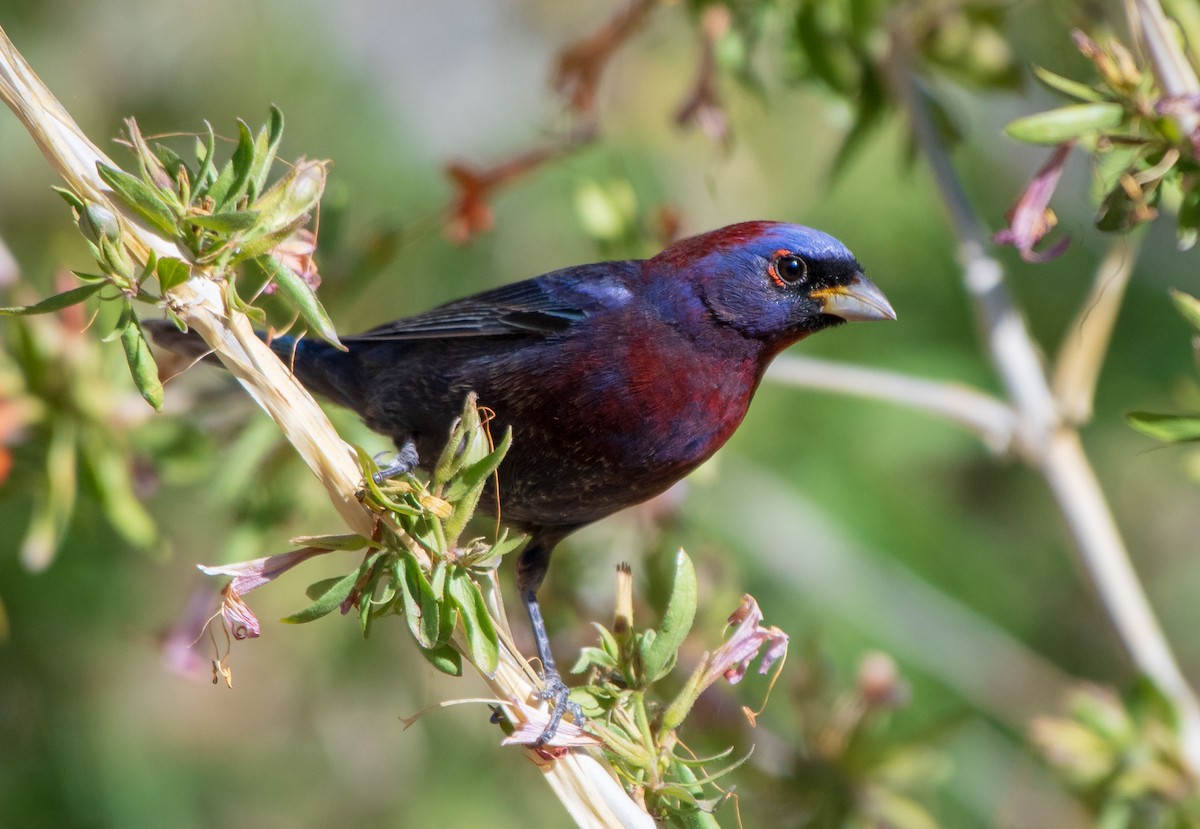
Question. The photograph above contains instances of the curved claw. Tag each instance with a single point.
(401, 463)
(556, 691)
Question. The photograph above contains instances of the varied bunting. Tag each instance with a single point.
(617, 378)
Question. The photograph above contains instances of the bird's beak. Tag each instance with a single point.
(856, 301)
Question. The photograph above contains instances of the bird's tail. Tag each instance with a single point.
(322, 368)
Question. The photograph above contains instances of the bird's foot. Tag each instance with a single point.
(395, 465)
(557, 692)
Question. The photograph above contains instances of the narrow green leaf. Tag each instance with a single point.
(1188, 306)
(420, 605)
(1066, 123)
(143, 199)
(658, 657)
(482, 641)
(349, 542)
(438, 580)
(477, 473)
(266, 145)
(319, 588)
(231, 221)
(170, 160)
(1072, 89)
(239, 164)
(54, 303)
(328, 601)
(172, 272)
(205, 156)
(1169, 428)
(70, 198)
(445, 658)
(141, 362)
(301, 297)
(454, 453)
(256, 245)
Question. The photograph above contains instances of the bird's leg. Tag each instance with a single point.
(403, 462)
(531, 569)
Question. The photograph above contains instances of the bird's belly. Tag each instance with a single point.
(586, 458)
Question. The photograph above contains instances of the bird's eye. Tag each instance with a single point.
(789, 269)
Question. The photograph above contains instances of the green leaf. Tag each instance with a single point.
(239, 168)
(169, 159)
(141, 198)
(231, 221)
(1066, 123)
(54, 303)
(475, 476)
(171, 272)
(266, 145)
(328, 601)
(349, 542)
(1072, 89)
(205, 157)
(301, 297)
(1169, 428)
(482, 642)
(141, 362)
(420, 604)
(445, 658)
(658, 656)
(77, 204)
(466, 489)
(319, 588)
(1188, 306)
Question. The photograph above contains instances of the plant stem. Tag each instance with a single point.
(991, 419)
(1044, 441)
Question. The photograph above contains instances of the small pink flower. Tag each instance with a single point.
(249, 575)
(238, 617)
(733, 659)
(1031, 217)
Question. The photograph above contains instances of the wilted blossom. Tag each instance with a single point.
(733, 659)
(296, 252)
(237, 615)
(1031, 217)
(247, 576)
(531, 724)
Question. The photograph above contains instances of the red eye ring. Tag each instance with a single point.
(787, 268)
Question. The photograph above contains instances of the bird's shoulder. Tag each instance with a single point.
(541, 306)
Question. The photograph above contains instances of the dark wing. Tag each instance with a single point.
(521, 308)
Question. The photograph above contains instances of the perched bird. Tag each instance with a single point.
(617, 378)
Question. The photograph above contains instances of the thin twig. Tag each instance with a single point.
(1048, 445)
(1082, 353)
(991, 419)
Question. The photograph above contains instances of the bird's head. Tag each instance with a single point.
(773, 281)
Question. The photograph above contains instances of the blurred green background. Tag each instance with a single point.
(858, 526)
